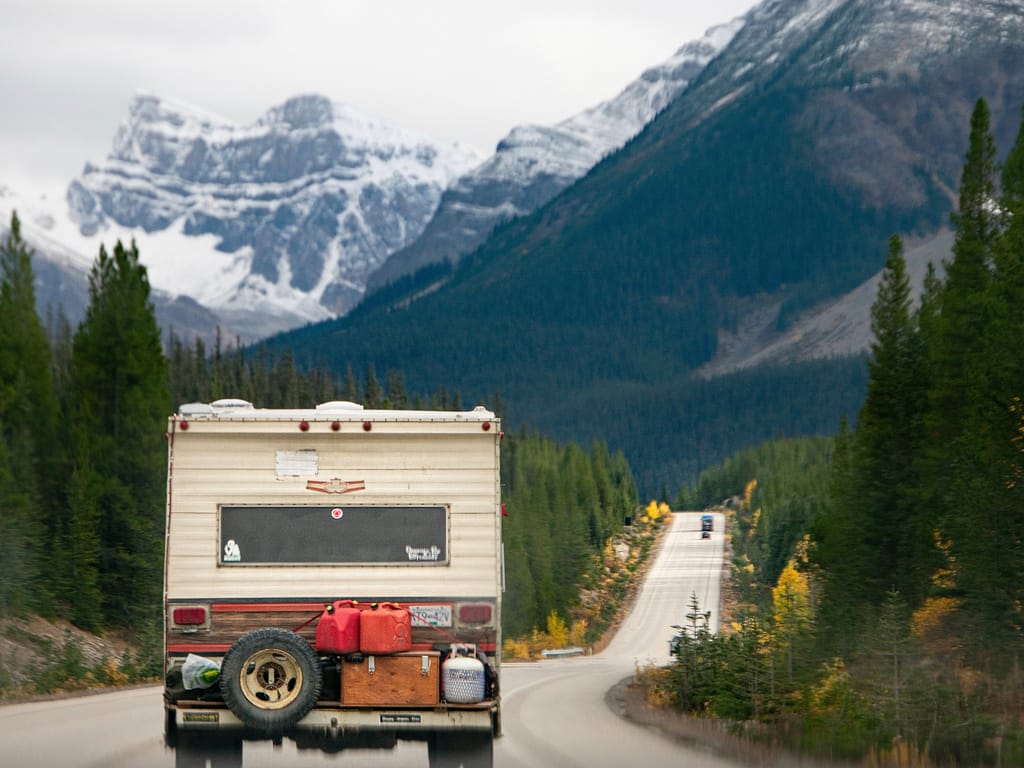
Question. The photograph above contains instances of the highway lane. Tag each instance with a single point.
(554, 712)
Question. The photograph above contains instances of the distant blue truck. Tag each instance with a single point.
(707, 525)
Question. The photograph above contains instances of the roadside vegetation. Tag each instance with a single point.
(610, 579)
(83, 477)
(879, 574)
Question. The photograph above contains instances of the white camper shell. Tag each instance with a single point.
(283, 522)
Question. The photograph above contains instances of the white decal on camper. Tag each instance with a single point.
(423, 553)
(232, 553)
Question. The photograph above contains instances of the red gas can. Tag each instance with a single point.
(338, 630)
(385, 628)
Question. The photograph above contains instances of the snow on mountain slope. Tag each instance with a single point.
(534, 163)
(271, 224)
(283, 222)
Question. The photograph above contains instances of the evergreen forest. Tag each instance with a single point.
(880, 573)
(83, 457)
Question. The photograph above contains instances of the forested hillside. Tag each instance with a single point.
(614, 294)
(882, 572)
(768, 188)
(83, 460)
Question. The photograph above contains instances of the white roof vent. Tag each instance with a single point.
(339, 405)
(230, 404)
(195, 409)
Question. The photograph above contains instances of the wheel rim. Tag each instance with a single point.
(271, 679)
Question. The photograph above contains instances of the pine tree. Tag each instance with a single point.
(876, 536)
(20, 569)
(962, 315)
(952, 483)
(991, 459)
(82, 588)
(118, 411)
(350, 390)
(372, 392)
(396, 396)
(889, 432)
(28, 408)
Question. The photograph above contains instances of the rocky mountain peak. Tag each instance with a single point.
(301, 113)
(534, 163)
(300, 206)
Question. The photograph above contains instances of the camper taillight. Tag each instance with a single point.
(474, 614)
(189, 616)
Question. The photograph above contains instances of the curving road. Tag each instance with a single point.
(554, 712)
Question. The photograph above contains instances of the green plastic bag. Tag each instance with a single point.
(199, 672)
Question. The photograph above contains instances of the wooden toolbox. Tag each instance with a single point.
(399, 680)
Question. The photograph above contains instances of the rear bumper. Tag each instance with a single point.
(338, 720)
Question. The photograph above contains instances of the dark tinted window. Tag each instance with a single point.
(339, 534)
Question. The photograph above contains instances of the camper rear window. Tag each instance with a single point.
(333, 535)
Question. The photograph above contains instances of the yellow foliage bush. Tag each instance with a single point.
(578, 633)
(929, 621)
(557, 630)
(114, 675)
(515, 649)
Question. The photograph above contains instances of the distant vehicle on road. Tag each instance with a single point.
(707, 525)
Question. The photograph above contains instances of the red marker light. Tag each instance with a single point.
(474, 614)
(188, 616)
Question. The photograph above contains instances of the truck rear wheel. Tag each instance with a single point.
(270, 679)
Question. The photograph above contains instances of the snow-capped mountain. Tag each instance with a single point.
(270, 225)
(264, 227)
(534, 163)
(876, 76)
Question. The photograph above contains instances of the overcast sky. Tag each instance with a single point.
(459, 70)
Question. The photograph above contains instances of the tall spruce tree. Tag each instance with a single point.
(889, 433)
(874, 538)
(951, 482)
(28, 417)
(118, 409)
(962, 315)
(991, 484)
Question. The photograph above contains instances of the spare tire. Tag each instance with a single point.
(270, 679)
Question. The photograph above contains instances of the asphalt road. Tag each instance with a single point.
(554, 711)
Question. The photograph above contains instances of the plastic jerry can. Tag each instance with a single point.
(462, 677)
(385, 628)
(338, 630)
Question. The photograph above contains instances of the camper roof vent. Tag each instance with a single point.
(339, 405)
(230, 404)
(191, 410)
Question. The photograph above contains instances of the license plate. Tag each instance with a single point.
(431, 615)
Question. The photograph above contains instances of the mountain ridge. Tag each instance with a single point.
(532, 163)
(283, 222)
(283, 197)
(746, 197)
